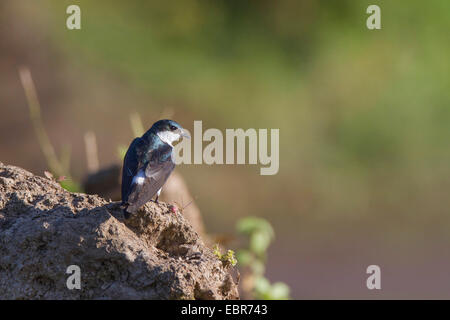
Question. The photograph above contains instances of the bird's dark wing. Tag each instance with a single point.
(157, 171)
(132, 163)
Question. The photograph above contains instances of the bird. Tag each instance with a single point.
(148, 163)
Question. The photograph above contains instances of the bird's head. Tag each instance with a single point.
(169, 131)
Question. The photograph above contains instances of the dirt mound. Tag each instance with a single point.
(44, 229)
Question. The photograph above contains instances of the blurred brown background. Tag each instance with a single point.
(363, 116)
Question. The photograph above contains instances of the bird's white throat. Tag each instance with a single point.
(169, 137)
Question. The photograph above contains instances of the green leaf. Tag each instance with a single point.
(279, 291)
(259, 242)
(226, 258)
(231, 258)
(251, 225)
(258, 267)
(244, 257)
(262, 286)
(217, 252)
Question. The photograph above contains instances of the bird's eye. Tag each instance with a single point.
(173, 128)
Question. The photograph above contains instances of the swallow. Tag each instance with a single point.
(148, 163)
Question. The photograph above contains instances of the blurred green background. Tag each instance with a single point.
(364, 119)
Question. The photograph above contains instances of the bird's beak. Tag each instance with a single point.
(185, 133)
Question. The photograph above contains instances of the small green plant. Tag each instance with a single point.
(227, 259)
(259, 234)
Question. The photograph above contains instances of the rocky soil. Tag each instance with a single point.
(44, 229)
